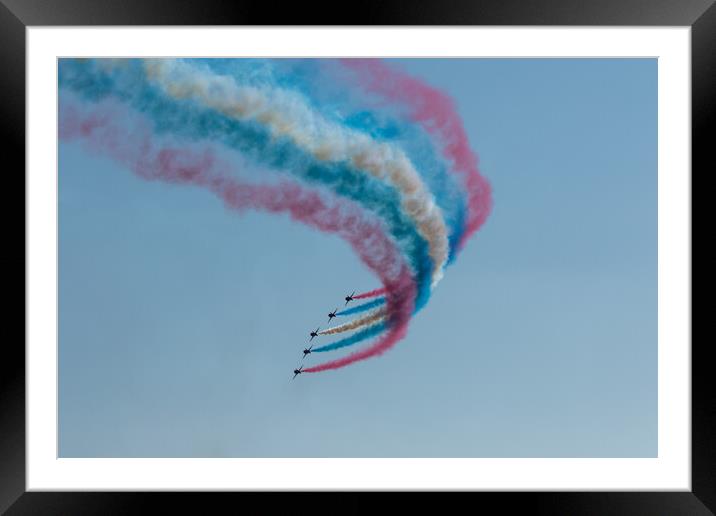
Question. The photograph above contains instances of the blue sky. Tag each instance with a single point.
(179, 321)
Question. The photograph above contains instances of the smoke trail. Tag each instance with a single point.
(372, 293)
(362, 308)
(436, 112)
(400, 301)
(348, 106)
(128, 140)
(366, 320)
(276, 127)
(286, 115)
(370, 331)
(188, 120)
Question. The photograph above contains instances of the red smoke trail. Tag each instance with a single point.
(109, 129)
(436, 113)
(372, 293)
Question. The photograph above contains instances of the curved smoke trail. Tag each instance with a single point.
(405, 223)
(106, 128)
(436, 112)
(341, 106)
(130, 84)
(285, 114)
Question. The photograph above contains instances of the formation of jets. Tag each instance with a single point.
(315, 334)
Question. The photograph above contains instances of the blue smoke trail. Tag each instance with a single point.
(362, 308)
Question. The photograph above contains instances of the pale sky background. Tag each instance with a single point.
(180, 322)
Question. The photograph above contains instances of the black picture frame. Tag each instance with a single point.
(16, 15)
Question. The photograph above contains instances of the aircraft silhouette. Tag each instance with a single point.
(314, 334)
(350, 298)
(332, 314)
(307, 351)
(296, 372)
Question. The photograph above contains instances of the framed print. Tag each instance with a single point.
(440, 250)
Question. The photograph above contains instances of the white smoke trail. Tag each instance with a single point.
(369, 319)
